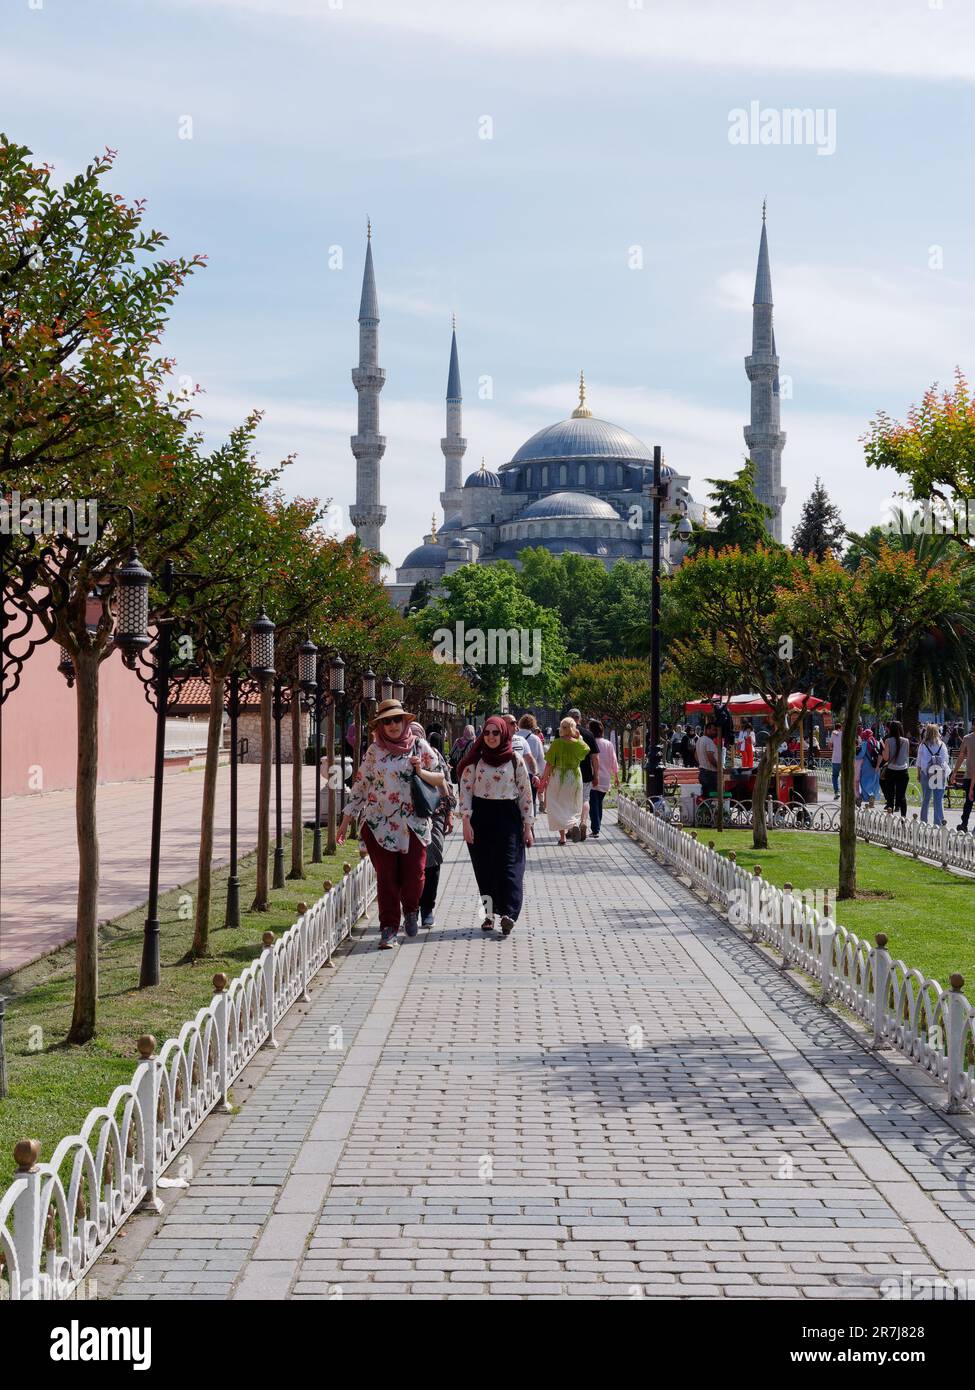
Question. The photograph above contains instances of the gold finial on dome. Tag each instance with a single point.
(582, 411)
(368, 229)
(483, 469)
(433, 528)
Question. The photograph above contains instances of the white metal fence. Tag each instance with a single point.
(933, 1026)
(57, 1217)
(950, 848)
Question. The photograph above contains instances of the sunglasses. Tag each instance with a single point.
(492, 733)
(396, 719)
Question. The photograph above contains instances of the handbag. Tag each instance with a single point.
(426, 799)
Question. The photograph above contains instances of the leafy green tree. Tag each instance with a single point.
(863, 622)
(504, 634)
(934, 449)
(820, 531)
(737, 636)
(741, 517)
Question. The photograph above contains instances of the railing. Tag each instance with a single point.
(56, 1218)
(953, 849)
(932, 1026)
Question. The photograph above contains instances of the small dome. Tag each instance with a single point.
(426, 557)
(482, 478)
(569, 504)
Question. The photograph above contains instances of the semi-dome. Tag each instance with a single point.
(583, 437)
(482, 478)
(569, 504)
(426, 557)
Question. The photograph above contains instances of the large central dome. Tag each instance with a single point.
(583, 437)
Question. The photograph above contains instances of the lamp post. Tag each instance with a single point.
(655, 774)
(149, 968)
(399, 690)
(232, 914)
(263, 672)
(387, 688)
(316, 849)
(278, 710)
(336, 687)
(366, 707)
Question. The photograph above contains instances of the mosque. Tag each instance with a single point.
(581, 485)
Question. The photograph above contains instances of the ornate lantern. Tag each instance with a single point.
(308, 666)
(262, 647)
(132, 618)
(336, 675)
(369, 685)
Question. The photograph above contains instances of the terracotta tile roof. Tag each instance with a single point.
(193, 697)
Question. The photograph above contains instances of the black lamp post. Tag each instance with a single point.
(282, 703)
(319, 708)
(387, 688)
(134, 608)
(399, 690)
(232, 915)
(655, 772)
(336, 687)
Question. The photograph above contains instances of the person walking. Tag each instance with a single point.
(608, 775)
(932, 772)
(589, 769)
(966, 755)
(459, 747)
(868, 760)
(687, 749)
(532, 736)
(896, 763)
(836, 757)
(441, 825)
(561, 782)
(395, 836)
(496, 806)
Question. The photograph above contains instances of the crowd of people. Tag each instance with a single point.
(410, 790)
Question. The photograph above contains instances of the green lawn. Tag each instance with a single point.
(929, 916)
(53, 1087)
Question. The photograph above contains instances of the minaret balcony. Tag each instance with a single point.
(367, 515)
(368, 445)
(454, 444)
(760, 364)
(370, 377)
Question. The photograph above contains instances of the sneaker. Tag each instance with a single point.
(507, 926)
(595, 834)
(428, 920)
(387, 938)
(487, 924)
(411, 923)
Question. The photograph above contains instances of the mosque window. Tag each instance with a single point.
(544, 482)
(601, 474)
(563, 473)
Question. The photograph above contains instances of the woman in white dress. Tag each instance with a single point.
(562, 781)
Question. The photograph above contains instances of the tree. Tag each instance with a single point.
(617, 691)
(736, 635)
(937, 668)
(741, 516)
(863, 622)
(820, 531)
(934, 449)
(487, 622)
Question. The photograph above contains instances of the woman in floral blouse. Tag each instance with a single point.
(394, 835)
(496, 806)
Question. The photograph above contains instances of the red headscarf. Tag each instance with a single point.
(494, 757)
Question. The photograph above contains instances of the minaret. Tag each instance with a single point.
(762, 434)
(368, 445)
(453, 444)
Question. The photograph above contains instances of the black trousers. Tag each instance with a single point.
(895, 790)
(498, 855)
(431, 882)
(596, 799)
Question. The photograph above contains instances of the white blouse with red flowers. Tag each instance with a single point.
(381, 796)
(509, 782)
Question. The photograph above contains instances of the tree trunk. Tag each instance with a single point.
(297, 767)
(763, 776)
(262, 900)
(847, 886)
(86, 789)
(201, 925)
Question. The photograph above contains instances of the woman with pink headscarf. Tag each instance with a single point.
(496, 806)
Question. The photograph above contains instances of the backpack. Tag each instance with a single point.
(873, 752)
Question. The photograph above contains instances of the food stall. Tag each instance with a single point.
(791, 781)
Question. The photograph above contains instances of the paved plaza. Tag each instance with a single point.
(623, 1099)
(39, 850)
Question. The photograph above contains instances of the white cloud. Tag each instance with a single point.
(898, 38)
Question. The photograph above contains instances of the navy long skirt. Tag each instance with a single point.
(498, 855)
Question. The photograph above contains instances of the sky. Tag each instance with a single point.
(579, 181)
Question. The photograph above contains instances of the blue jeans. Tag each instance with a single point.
(939, 796)
(836, 779)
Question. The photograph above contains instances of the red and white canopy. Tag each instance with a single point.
(754, 704)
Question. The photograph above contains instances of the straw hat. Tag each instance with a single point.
(387, 709)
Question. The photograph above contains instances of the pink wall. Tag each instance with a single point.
(38, 737)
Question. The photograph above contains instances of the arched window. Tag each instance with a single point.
(563, 473)
(601, 475)
(544, 482)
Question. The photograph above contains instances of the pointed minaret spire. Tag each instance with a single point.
(763, 436)
(368, 445)
(453, 444)
(582, 411)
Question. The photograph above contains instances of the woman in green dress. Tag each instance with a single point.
(562, 781)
